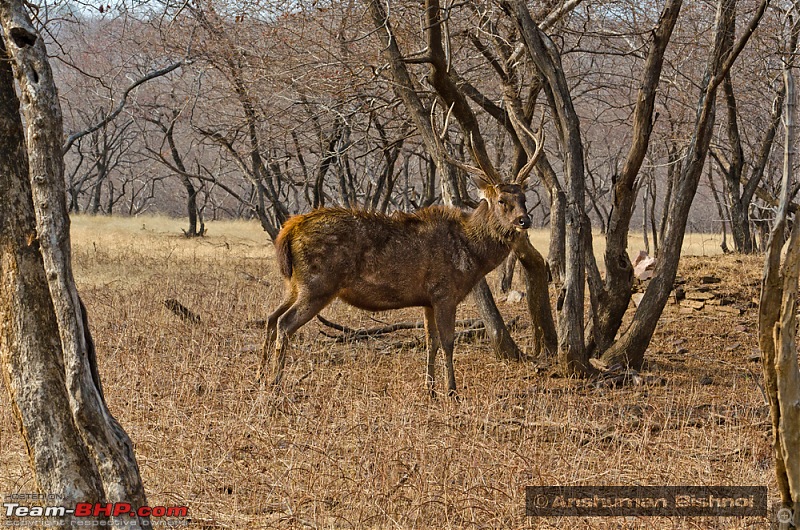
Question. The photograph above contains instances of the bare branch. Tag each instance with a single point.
(105, 121)
(739, 46)
(558, 14)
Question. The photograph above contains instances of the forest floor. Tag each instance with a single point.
(355, 441)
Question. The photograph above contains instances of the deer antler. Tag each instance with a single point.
(538, 140)
(439, 138)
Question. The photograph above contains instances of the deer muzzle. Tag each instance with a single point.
(523, 222)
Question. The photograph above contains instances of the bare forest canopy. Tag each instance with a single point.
(273, 108)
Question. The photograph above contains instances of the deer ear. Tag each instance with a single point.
(490, 192)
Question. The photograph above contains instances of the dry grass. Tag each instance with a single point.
(355, 442)
(693, 244)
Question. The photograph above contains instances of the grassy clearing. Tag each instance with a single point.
(354, 442)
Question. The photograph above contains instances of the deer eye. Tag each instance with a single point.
(501, 201)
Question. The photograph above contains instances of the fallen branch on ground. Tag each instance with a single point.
(183, 312)
(474, 327)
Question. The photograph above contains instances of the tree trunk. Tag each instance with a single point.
(787, 378)
(191, 192)
(105, 439)
(651, 188)
(777, 324)
(191, 208)
(630, 348)
(572, 352)
(740, 220)
(97, 190)
(610, 299)
(675, 163)
(502, 342)
(507, 272)
(30, 350)
(720, 209)
(645, 204)
(557, 252)
(740, 225)
(534, 268)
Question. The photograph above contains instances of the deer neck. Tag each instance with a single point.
(487, 236)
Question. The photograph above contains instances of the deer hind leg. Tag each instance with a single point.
(300, 312)
(432, 343)
(272, 332)
(445, 325)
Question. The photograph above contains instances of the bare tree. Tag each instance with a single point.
(630, 348)
(741, 186)
(48, 354)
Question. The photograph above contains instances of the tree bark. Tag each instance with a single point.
(507, 272)
(557, 251)
(30, 350)
(777, 324)
(740, 220)
(105, 439)
(675, 163)
(787, 373)
(645, 204)
(651, 189)
(534, 268)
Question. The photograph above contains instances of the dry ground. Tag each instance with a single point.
(355, 441)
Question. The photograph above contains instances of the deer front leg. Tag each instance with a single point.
(302, 310)
(272, 333)
(446, 324)
(432, 344)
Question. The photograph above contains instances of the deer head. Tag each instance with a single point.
(505, 197)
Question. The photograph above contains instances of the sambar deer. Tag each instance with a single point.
(430, 258)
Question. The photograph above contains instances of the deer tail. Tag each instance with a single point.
(283, 248)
